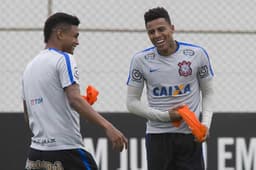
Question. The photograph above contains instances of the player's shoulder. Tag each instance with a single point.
(58, 55)
(189, 48)
(145, 54)
(53, 51)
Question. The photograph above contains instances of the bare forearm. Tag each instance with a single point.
(87, 112)
(25, 113)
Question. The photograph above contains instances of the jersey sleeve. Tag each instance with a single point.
(135, 77)
(205, 70)
(68, 70)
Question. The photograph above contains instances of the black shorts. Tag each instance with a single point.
(73, 159)
(173, 151)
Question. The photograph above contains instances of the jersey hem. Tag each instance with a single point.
(62, 147)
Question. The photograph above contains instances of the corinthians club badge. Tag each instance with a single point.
(184, 68)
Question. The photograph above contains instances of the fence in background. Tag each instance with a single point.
(112, 31)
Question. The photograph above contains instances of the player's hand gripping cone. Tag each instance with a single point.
(198, 130)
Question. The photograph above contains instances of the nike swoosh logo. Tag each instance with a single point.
(153, 70)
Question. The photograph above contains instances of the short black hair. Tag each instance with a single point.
(56, 20)
(155, 13)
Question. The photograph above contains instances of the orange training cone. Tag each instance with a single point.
(91, 94)
(198, 130)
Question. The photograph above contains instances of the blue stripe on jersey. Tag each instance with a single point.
(148, 49)
(192, 45)
(67, 59)
(85, 161)
(129, 75)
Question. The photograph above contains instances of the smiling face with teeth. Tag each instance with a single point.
(70, 39)
(61, 32)
(160, 33)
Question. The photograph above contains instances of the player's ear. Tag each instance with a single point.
(59, 34)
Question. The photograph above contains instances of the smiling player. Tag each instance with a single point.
(174, 73)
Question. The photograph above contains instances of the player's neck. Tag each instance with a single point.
(172, 49)
(53, 45)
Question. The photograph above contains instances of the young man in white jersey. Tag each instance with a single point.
(174, 73)
(53, 103)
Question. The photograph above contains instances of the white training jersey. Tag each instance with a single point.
(54, 124)
(171, 81)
